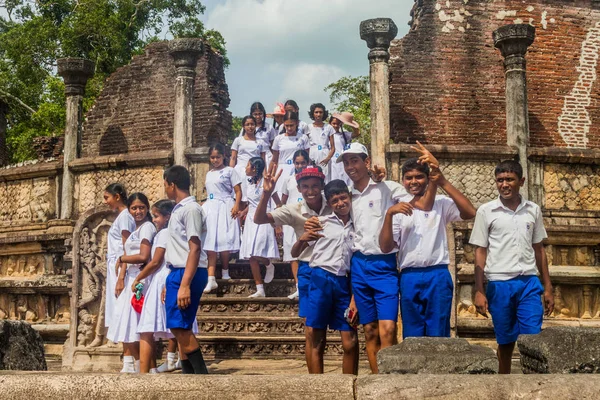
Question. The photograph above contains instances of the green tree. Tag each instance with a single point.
(236, 127)
(34, 34)
(352, 94)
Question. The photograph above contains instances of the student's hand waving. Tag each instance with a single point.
(425, 155)
(481, 304)
(548, 301)
(270, 179)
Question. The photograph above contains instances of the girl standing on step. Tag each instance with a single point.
(223, 186)
(153, 322)
(342, 140)
(259, 244)
(245, 147)
(264, 131)
(322, 146)
(292, 106)
(138, 248)
(286, 145)
(291, 195)
(115, 197)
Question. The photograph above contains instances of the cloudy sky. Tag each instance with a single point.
(282, 49)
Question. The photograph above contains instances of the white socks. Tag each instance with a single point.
(225, 274)
(270, 274)
(260, 292)
(169, 365)
(129, 365)
(211, 284)
(294, 295)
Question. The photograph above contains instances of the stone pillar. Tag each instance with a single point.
(3, 129)
(75, 72)
(378, 33)
(513, 41)
(185, 52)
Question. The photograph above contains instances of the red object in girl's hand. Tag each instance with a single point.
(137, 304)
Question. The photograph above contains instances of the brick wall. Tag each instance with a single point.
(447, 79)
(134, 112)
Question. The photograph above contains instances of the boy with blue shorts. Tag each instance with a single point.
(508, 233)
(329, 294)
(426, 286)
(374, 272)
(188, 264)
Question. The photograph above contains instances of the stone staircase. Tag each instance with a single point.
(231, 325)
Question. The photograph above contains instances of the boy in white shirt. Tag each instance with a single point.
(426, 286)
(508, 233)
(329, 294)
(188, 264)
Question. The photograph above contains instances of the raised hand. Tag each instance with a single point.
(436, 176)
(270, 179)
(425, 155)
(378, 173)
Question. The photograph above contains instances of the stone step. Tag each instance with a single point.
(243, 306)
(241, 270)
(246, 287)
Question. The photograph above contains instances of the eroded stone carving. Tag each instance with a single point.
(27, 201)
(572, 187)
(23, 266)
(34, 308)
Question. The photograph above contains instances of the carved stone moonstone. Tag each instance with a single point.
(378, 33)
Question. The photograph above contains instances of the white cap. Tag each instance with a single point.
(353, 148)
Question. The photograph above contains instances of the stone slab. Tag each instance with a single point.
(428, 355)
(561, 350)
(21, 347)
(469, 387)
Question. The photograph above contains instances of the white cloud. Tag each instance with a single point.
(283, 49)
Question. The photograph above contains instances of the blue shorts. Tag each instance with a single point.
(304, 273)
(426, 301)
(328, 300)
(516, 307)
(375, 287)
(177, 318)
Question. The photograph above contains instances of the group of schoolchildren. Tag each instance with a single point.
(361, 248)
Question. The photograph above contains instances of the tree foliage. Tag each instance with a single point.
(352, 94)
(34, 34)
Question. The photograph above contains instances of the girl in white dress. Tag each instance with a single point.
(292, 106)
(320, 136)
(153, 322)
(115, 197)
(342, 139)
(277, 115)
(259, 244)
(138, 248)
(285, 146)
(291, 195)
(223, 187)
(245, 147)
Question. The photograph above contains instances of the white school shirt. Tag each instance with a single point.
(266, 134)
(333, 251)
(219, 183)
(288, 145)
(291, 190)
(302, 128)
(253, 194)
(319, 137)
(160, 241)
(133, 243)
(421, 237)
(508, 235)
(340, 143)
(114, 240)
(187, 220)
(295, 215)
(368, 213)
(246, 149)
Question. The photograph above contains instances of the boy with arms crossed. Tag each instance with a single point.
(188, 264)
(426, 287)
(329, 294)
(508, 233)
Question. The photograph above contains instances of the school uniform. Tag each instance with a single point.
(329, 291)
(257, 240)
(222, 231)
(246, 149)
(295, 215)
(514, 290)
(320, 146)
(426, 286)
(302, 128)
(123, 327)
(188, 220)
(374, 273)
(290, 189)
(287, 146)
(336, 170)
(266, 135)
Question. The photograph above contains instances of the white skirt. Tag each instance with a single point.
(111, 282)
(258, 240)
(336, 171)
(241, 171)
(287, 171)
(123, 327)
(153, 317)
(223, 232)
(289, 238)
(319, 155)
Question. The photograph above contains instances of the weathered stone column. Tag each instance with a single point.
(185, 52)
(3, 129)
(513, 41)
(75, 72)
(378, 33)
